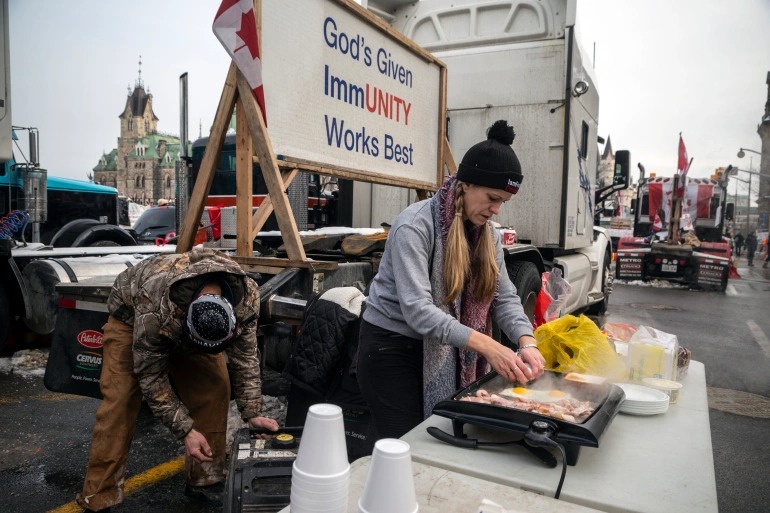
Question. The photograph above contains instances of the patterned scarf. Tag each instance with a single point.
(442, 365)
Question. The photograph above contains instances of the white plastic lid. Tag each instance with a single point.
(662, 384)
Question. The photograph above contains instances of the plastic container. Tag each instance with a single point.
(670, 387)
(652, 354)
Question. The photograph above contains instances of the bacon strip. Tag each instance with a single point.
(571, 410)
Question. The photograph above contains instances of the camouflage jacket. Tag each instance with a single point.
(141, 296)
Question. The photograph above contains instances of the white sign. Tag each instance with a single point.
(341, 92)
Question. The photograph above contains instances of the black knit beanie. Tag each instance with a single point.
(493, 163)
(211, 324)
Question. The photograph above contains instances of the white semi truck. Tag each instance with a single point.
(520, 60)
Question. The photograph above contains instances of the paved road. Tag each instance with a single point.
(45, 437)
(729, 334)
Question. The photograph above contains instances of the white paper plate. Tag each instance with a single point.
(638, 395)
(632, 411)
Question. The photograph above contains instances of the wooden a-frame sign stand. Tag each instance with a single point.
(251, 134)
(251, 138)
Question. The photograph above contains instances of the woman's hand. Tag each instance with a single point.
(529, 352)
(503, 359)
(197, 447)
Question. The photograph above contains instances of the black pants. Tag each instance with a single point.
(390, 378)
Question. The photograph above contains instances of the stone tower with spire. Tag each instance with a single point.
(763, 130)
(143, 164)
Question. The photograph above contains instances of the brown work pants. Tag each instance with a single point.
(203, 385)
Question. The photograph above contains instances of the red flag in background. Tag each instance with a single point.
(682, 166)
(657, 225)
(236, 28)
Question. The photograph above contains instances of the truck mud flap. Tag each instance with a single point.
(629, 266)
(75, 358)
(712, 273)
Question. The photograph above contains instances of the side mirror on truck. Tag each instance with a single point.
(730, 211)
(619, 176)
(622, 170)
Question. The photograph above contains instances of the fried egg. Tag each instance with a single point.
(541, 396)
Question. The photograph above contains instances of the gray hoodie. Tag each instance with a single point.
(400, 297)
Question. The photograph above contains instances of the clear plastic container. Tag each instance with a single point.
(668, 386)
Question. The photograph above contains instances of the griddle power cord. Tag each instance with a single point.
(539, 435)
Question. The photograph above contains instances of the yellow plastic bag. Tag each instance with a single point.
(576, 344)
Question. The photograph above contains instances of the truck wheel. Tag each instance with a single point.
(5, 319)
(526, 278)
(600, 308)
(103, 243)
(67, 234)
(103, 235)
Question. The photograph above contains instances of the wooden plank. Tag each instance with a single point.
(271, 172)
(266, 207)
(442, 123)
(353, 174)
(389, 31)
(358, 245)
(448, 158)
(189, 227)
(244, 151)
(262, 269)
(316, 265)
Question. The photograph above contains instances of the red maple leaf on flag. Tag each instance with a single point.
(236, 28)
(248, 34)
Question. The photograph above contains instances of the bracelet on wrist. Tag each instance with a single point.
(526, 347)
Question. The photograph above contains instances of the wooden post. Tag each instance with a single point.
(244, 153)
(676, 213)
(271, 172)
(448, 160)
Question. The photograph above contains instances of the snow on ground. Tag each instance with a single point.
(329, 230)
(26, 363)
(658, 284)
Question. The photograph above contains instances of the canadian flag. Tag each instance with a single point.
(657, 225)
(236, 28)
(682, 166)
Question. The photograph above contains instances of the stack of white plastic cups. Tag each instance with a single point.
(389, 484)
(321, 474)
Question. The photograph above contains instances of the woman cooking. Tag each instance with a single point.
(428, 319)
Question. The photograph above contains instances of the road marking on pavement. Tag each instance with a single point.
(760, 337)
(137, 482)
(730, 290)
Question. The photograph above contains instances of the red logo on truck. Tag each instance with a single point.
(91, 339)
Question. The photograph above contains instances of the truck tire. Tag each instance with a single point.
(5, 318)
(67, 234)
(600, 308)
(103, 235)
(526, 278)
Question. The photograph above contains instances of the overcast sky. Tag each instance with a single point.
(663, 66)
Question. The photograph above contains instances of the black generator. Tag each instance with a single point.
(259, 477)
